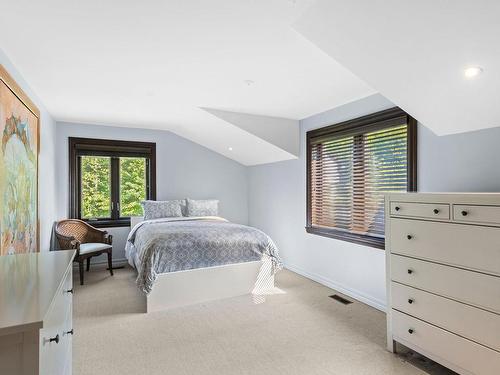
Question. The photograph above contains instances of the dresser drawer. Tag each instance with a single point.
(53, 353)
(442, 345)
(62, 365)
(461, 245)
(477, 214)
(421, 210)
(61, 304)
(465, 286)
(467, 321)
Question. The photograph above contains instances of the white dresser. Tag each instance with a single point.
(36, 293)
(443, 278)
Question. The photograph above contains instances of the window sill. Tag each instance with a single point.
(359, 239)
(125, 222)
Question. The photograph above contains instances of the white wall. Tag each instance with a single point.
(277, 200)
(183, 169)
(277, 205)
(459, 162)
(46, 179)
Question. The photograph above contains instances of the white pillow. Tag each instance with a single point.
(207, 207)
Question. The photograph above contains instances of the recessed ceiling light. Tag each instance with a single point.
(230, 149)
(473, 71)
(249, 82)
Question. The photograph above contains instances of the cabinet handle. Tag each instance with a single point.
(70, 291)
(410, 271)
(55, 339)
(436, 211)
(410, 301)
(397, 208)
(464, 213)
(409, 236)
(410, 331)
(70, 332)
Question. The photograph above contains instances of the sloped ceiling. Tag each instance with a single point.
(282, 132)
(154, 64)
(415, 53)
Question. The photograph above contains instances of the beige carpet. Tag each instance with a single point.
(299, 332)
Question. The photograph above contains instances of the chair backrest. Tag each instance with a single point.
(78, 229)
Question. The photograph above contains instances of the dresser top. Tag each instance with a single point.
(28, 284)
(457, 198)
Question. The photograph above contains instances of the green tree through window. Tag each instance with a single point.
(108, 179)
(132, 185)
(96, 187)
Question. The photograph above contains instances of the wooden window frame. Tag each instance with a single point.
(107, 147)
(369, 123)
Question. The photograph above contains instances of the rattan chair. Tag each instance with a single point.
(86, 240)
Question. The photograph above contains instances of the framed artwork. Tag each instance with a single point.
(19, 149)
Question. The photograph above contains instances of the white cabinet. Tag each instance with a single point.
(443, 278)
(36, 294)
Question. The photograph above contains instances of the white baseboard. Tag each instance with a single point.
(369, 300)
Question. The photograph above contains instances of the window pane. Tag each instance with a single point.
(349, 176)
(132, 186)
(331, 183)
(96, 187)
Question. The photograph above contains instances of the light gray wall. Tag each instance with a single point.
(183, 169)
(277, 205)
(460, 162)
(46, 162)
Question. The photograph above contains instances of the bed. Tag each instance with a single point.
(186, 260)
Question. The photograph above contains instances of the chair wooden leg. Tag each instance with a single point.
(80, 265)
(88, 264)
(110, 262)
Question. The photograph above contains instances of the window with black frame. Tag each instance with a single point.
(109, 179)
(349, 168)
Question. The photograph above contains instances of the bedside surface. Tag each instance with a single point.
(28, 284)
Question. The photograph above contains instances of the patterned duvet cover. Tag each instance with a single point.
(177, 244)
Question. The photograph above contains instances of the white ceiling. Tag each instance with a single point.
(155, 64)
(284, 133)
(415, 53)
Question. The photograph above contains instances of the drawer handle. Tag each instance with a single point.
(410, 271)
(70, 291)
(409, 236)
(55, 339)
(436, 211)
(410, 301)
(70, 332)
(397, 208)
(464, 213)
(410, 331)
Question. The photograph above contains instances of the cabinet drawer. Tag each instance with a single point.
(476, 214)
(442, 346)
(465, 286)
(53, 354)
(62, 366)
(421, 210)
(467, 321)
(62, 302)
(471, 246)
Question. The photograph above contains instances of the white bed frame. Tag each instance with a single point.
(183, 288)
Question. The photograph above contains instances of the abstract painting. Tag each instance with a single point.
(19, 145)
